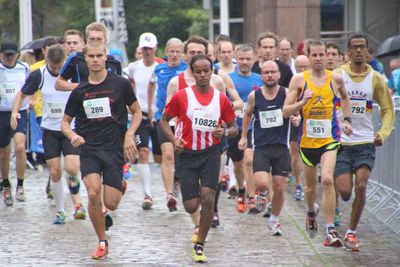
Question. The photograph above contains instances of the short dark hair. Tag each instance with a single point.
(200, 57)
(73, 32)
(334, 46)
(55, 54)
(49, 42)
(197, 40)
(222, 37)
(269, 35)
(219, 45)
(314, 42)
(357, 36)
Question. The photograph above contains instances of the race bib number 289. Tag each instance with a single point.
(97, 108)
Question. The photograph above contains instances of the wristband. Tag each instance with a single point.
(348, 119)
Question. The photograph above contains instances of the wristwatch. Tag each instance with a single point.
(347, 119)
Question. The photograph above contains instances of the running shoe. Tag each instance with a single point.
(275, 229)
(195, 236)
(251, 205)
(233, 192)
(268, 206)
(261, 202)
(224, 183)
(147, 203)
(215, 222)
(298, 193)
(351, 242)
(108, 221)
(79, 212)
(49, 193)
(241, 203)
(73, 184)
(311, 221)
(171, 202)
(127, 173)
(332, 239)
(20, 194)
(101, 251)
(60, 218)
(7, 197)
(338, 217)
(198, 253)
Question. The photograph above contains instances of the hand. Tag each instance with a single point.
(378, 140)
(14, 120)
(32, 102)
(130, 149)
(242, 145)
(308, 94)
(179, 144)
(77, 140)
(295, 119)
(218, 132)
(347, 128)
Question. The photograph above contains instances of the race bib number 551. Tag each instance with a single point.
(97, 108)
(319, 128)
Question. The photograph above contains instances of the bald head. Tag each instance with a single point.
(301, 63)
(270, 74)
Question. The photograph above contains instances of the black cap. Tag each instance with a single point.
(9, 48)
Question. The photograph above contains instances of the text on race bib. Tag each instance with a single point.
(203, 121)
(358, 108)
(271, 118)
(8, 89)
(97, 108)
(55, 109)
(319, 128)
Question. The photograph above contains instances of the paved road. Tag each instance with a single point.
(160, 238)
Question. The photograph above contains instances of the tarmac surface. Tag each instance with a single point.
(160, 238)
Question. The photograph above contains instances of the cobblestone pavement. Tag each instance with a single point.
(160, 238)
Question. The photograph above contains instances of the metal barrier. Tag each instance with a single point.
(383, 191)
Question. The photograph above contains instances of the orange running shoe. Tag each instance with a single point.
(101, 251)
(241, 203)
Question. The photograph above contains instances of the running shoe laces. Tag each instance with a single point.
(101, 251)
(198, 253)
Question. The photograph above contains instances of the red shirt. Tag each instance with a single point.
(198, 114)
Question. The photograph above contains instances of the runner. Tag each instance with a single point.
(286, 53)
(315, 93)
(139, 74)
(200, 110)
(357, 155)
(333, 56)
(54, 142)
(245, 82)
(13, 74)
(163, 73)
(271, 139)
(100, 109)
(225, 55)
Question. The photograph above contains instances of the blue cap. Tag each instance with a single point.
(117, 54)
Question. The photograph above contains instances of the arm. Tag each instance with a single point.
(64, 85)
(76, 140)
(164, 126)
(248, 114)
(290, 106)
(18, 99)
(130, 149)
(151, 87)
(237, 102)
(345, 102)
(382, 96)
(171, 89)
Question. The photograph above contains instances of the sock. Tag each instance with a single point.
(145, 177)
(329, 227)
(337, 210)
(264, 194)
(57, 189)
(274, 219)
(6, 183)
(20, 182)
(104, 241)
(350, 232)
(217, 193)
(242, 191)
(311, 212)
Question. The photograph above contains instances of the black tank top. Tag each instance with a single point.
(269, 125)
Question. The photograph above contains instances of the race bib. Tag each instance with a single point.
(271, 118)
(97, 108)
(319, 128)
(8, 89)
(55, 109)
(203, 121)
(240, 112)
(358, 108)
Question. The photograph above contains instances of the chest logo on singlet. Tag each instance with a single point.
(204, 121)
(97, 108)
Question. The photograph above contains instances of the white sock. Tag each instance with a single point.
(232, 177)
(145, 177)
(274, 219)
(350, 232)
(57, 189)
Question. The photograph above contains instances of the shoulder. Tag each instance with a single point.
(75, 57)
(22, 65)
(336, 77)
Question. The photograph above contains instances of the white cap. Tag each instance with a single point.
(147, 39)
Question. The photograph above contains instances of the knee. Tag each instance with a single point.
(55, 174)
(248, 162)
(143, 155)
(20, 148)
(261, 184)
(207, 200)
(111, 205)
(72, 170)
(94, 196)
(346, 195)
(191, 208)
(327, 181)
(279, 188)
(168, 157)
(361, 187)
